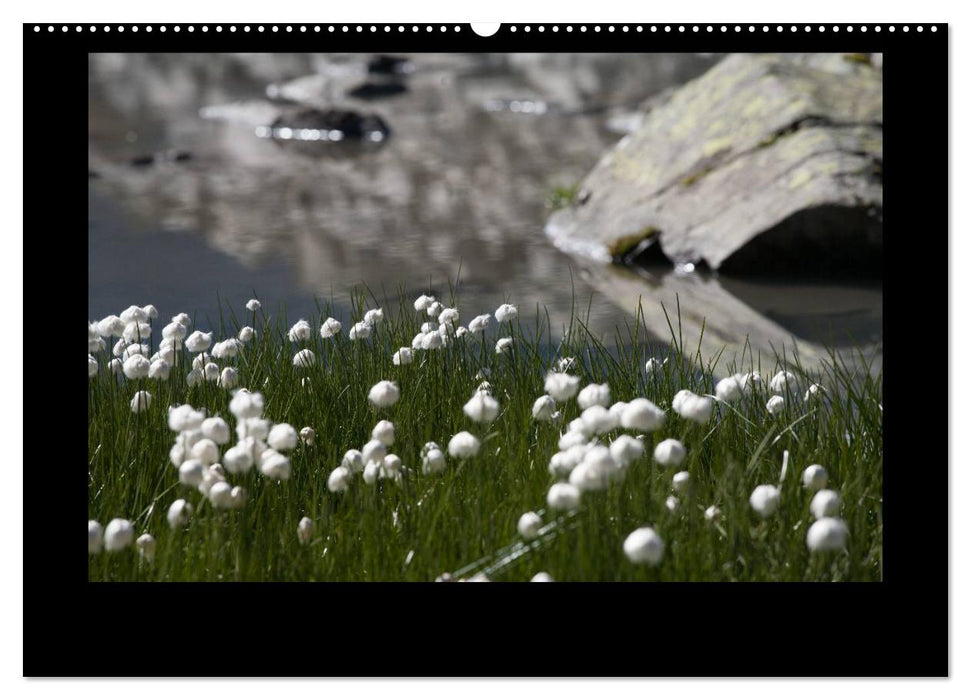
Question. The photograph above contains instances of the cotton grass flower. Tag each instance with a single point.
(228, 348)
(402, 357)
(253, 305)
(543, 408)
(435, 309)
(182, 318)
(572, 438)
(304, 358)
(479, 323)
(814, 477)
(136, 367)
(594, 395)
(258, 428)
(563, 497)
(384, 394)
(184, 417)
(111, 327)
(141, 402)
(373, 317)
(562, 387)
(221, 495)
(115, 367)
(463, 445)
(775, 405)
(541, 577)
(373, 451)
(135, 349)
(283, 436)
(179, 514)
(246, 334)
(433, 462)
(681, 483)
(672, 504)
(92, 367)
(206, 451)
(765, 500)
(195, 377)
(159, 369)
(383, 432)
(300, 332)
(136, 332)
(305, 530)
(529, 525)
(825, 504)
(201, 360)
(423, 302)
(728, 390)
(713, 514)
(506, 312)
(827, 535)
(503, 345)
(275, 465)
(246, 404)
(597, 420)
(198, 341)
(432, 341)
(339, 480)
(782, 381)
(692, 407)
(813, 391)
(211, 372)
(448, 316)
(134, 314)
(626, 449)
(354, 460)
(481, 408)
(670, 453)
(229, 378)
(644, 546)
(653, 365)
(308, 435)
(118, 535)
(145, 544)
(95, 537)
(643, 415)
(238, 459)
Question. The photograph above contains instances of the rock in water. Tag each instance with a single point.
(767, 163)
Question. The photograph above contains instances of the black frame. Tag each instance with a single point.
(898, 627)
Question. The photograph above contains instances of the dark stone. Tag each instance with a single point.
(389, 65)
(377, 91)
(353, 125)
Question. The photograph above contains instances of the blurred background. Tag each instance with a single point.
(223, 176)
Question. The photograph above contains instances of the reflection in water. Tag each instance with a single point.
(476, 145)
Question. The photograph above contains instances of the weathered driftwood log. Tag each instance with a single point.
(765, 164)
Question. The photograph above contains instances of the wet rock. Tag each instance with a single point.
(390, 65)
(765, 164)
(377, 91)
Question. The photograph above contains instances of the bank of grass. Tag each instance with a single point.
(464, 520)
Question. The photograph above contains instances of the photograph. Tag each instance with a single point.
(500, 317)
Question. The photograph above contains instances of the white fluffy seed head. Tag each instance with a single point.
(692, 407)
(159, 369)
(463, 445)
(304, 358)
(626, 449)
(373, 451)
(211, 372)
(672, 504)
(300, 331)
(670, 453)
(384, 394)
(198, 341)
(506, 312)
(529, 525)
(216, 429)
(206, 451)
(541, 577)
(644, 546)
(402, 357)
(597, 420)
(353, 460)
(360, 331)
(118, 535)
(423, 302)
(503, 345)
(765, 500)
(229, 378)
(775, 405)
(783, 381)
(643, 415)
(136, 367)
(561, 386)
(308, 435)
(594, 395)
(95, 537)
(141, 402)
(246, 404)
(184, 417)
(305, 530)
(246, 334)
(825, 504)
(339, 480)
(221, 495)
(479, 323)
(543, 408)
(283, 436)
(178, 514)
(827, 535)
(275, 465)
(713, 514)
(433, 462)
(681, 483)
(481, 408)
(239, 458)
(814, 477)
(383, 432)
(563, 496)
(92, 366)
(145, 544)
(728, 390)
